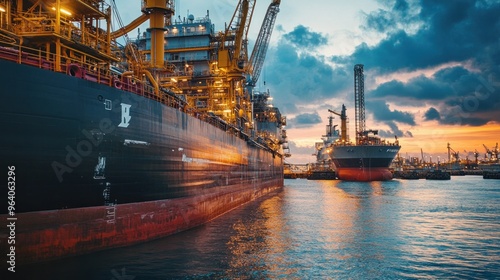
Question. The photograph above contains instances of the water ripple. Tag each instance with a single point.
(328, 230)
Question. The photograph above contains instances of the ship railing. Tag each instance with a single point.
(39, 23)
(170, 4)
(44, 24)
(365, 144)
(98, 4)
(35, 58)
(9, 28)
(196, 29)
(102, 74)
(94, 72)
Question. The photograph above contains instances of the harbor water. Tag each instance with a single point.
(400, 229)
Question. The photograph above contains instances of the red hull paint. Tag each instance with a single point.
(364, 174)
(49, 235)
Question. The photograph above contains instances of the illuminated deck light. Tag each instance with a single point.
(66, 12)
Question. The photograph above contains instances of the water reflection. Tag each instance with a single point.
(319, 230)
(350, 230)
(325, 230)
(260, 241)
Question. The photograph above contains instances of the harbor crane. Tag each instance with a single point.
(452, 153)
(260, 49)
(496, 152)
(493, 154)
(233, 51)
(476, 155)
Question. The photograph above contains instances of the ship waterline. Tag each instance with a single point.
(364, 162)
(46, 235)
(364, 174)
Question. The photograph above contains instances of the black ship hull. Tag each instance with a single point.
(98, 167)
(364, 162)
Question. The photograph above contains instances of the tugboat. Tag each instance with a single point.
(438, 174)
(491, 171)
(409, 175)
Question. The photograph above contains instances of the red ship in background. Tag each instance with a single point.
(367, 159)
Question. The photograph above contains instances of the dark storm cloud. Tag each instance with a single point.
(423, 34)
(304, 120)
(447, 83)
(432, 114)
(419, 34)
(380, 20)
(450, 31)
(402, 7)
(395, 131)
(462, 96)
(302, 37)
(382, 112)
(300, 76)
(456, 118)
(385, 21)
(417, 88)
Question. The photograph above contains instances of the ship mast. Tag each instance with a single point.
(158, 11)
(359, 101)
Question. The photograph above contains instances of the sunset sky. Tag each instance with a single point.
(432, 68)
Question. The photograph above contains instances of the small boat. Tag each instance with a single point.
(438, 175)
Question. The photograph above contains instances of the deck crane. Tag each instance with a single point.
(232, 53)
(261, 44)
(343, 123)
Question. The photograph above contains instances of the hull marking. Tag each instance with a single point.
(125, 115)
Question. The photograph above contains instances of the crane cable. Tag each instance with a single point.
(122, 26)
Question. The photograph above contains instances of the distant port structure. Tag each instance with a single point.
(423, 167)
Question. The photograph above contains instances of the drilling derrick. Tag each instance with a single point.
(359, 100)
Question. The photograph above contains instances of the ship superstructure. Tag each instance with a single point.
(324, 163)
(113, 145)
(367, 159)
